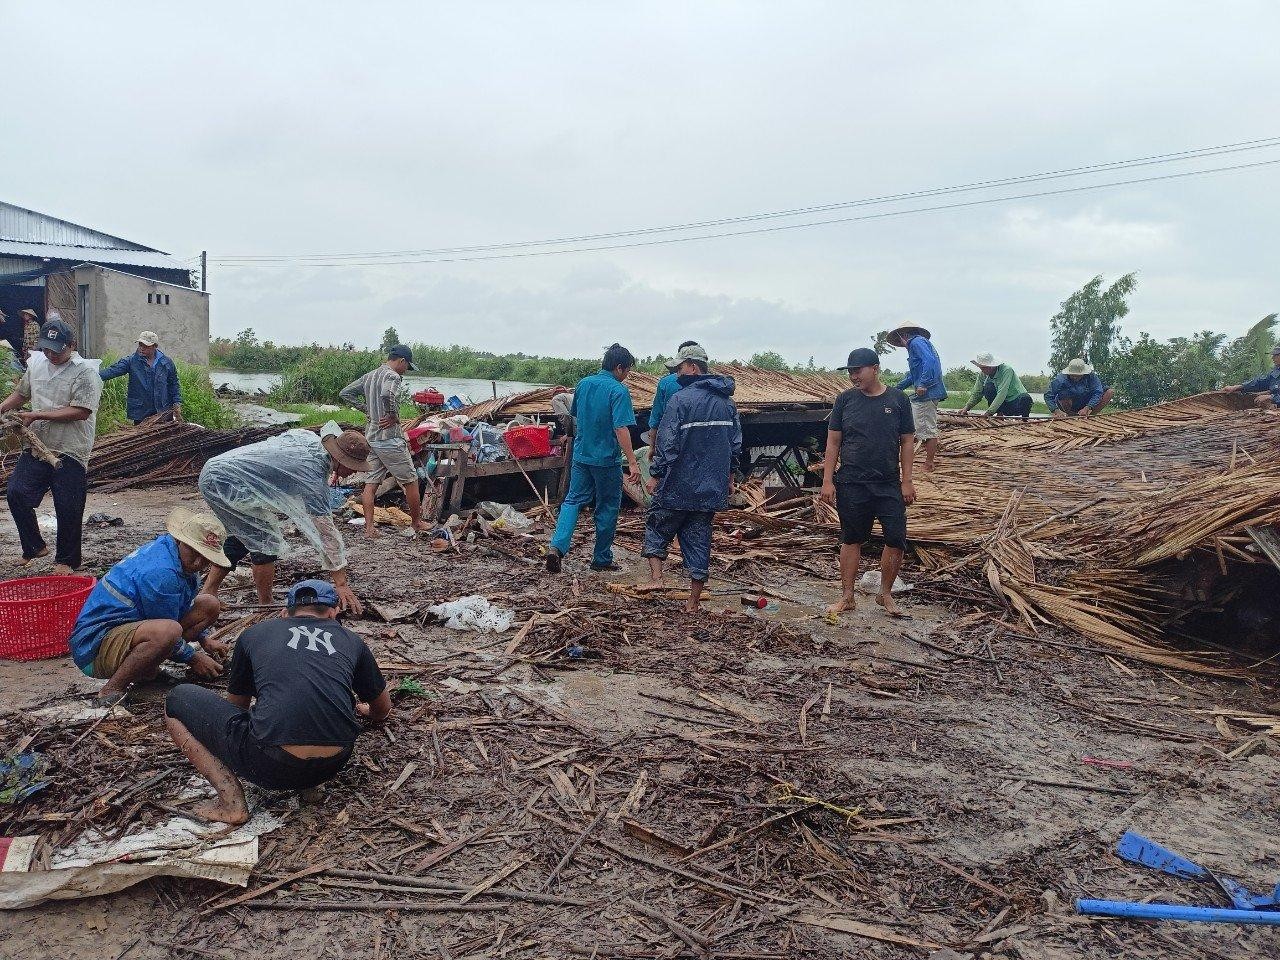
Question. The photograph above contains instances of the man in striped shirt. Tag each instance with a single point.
(378, 394)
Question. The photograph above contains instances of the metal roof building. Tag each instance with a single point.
(108, 288)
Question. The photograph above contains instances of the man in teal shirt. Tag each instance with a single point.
(604, 418)
(671, 383)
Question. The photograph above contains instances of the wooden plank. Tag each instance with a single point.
(501, 467)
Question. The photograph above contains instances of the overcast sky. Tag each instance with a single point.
(319, 128)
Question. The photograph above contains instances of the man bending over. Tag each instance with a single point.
(289, 721)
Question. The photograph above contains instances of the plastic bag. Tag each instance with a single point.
(869, 582)
(473, 613)
(505, 516)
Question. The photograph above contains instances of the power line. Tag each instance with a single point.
(1191, 154)
(776, 228)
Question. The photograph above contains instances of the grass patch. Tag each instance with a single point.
(314, 414)
(957, 400)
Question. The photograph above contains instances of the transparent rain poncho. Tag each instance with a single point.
(251, 488)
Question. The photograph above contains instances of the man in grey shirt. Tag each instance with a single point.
(378, 394)
(64, 389)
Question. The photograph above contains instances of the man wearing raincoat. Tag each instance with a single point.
(690, 471)
(252, 487)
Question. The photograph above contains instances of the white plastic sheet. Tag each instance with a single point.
(473, 613)
(251, 488)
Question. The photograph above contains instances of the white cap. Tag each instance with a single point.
(148, 339)
(985, 360)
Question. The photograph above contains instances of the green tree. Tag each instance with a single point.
(1147, 371)
(769, 360)
(389, 339)
(1247, 356)
(1088, 325)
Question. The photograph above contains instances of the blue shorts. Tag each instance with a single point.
(693, 527)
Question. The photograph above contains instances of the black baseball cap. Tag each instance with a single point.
(56, 336)
(862, 357)
(401, 352)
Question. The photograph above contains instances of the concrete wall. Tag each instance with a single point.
(121, 306)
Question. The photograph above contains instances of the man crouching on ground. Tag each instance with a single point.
(298, 672)
(148, 609)
(872, 435)
(690, 471)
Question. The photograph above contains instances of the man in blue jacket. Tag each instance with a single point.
(1076, 392)
(153, 380)
(924, 379)
(690, 472)
(1266, 385)
(603, 417)
(148, 608)
(667, 386)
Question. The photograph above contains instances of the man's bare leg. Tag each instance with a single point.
(850, 557)
(1107, 396)
(231, 807)
(655, 575)
(930, 452)
(264, 577)
(153, 641)
(366, 501)
(695, 595)
(413, 500)
(202, 615)
(890, 564)
(213, 580)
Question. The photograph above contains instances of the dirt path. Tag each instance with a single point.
(738, 741)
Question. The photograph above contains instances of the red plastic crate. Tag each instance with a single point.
(37, 615)
(530, 441)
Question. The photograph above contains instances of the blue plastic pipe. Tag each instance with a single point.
(1174, 911)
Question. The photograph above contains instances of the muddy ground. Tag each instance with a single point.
(979, 821)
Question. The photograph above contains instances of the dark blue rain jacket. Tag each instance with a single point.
(699, 440)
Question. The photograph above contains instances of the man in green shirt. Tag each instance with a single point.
(1000, 386)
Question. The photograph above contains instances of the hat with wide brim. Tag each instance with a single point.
(904, 328)
(202, 532)
(1078, 368)
(349, 448)
(985, 360)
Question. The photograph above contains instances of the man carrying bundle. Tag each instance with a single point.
(1266, 385)
(289, 720)
(1000, 386)
(64, 390)
(148, 609)
(153, 380)
(251, 487)
(1077, 392)
(690, 471)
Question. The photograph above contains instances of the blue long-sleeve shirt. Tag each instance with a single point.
(1085, 392)
(1268, 382)
(153, 387)
(662, 395)
(148, 584)
(924, 369)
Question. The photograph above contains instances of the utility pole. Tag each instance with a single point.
(204, 270)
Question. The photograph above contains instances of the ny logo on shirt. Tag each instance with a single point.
(314, 636)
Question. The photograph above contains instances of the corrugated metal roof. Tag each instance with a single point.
(19, 223)
(82, 254)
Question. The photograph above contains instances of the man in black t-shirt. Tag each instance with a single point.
(871, 434)
(299, 672)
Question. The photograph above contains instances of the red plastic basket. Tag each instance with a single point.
(37, 615)
(526, 442)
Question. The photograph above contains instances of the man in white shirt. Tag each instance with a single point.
(64, 390)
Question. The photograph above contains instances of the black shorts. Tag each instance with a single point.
(859, 504)
(237, 551)
(223, 729)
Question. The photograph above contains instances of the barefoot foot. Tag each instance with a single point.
(843, 605)
(890, 608)
(44, 552)
(649, 585)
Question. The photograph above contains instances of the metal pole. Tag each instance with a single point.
(204, 270)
